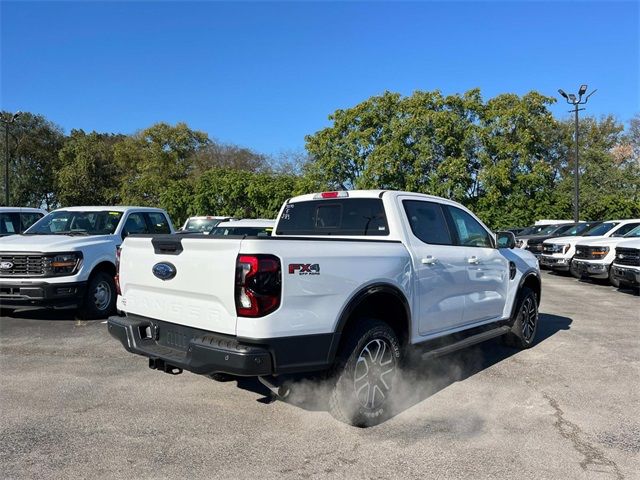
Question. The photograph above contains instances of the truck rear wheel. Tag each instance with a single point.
(525, 325)
(100, 298)
(366, 368)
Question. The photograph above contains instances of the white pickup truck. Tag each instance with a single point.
(626, 264)
(68, 258)
(345, 284)
(595, 258)
(558, 253)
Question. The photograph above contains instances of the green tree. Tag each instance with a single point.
(34, 143)
(609, 170)
(227, 191)
(88, 174)
(155, 157)
(500, 157)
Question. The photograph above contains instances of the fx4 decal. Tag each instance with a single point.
(304, 268)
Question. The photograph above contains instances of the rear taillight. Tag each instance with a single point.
(258, 285)
(117, 277)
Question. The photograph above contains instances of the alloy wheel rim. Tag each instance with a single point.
(373, 373)
(102, 295)
(529, 318)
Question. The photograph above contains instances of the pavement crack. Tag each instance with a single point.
(572, 432)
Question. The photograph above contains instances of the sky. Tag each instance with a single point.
(263, 75)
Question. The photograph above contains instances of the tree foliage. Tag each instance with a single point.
(507, 158)
(88, 174)
(34, 143)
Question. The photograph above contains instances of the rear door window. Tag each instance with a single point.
(349, 216)
(158, 223)
(428, 222)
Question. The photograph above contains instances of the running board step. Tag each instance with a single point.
(466, 342)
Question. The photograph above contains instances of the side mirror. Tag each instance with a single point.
(505, 239)
(124, 234)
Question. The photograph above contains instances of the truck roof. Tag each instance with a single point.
(108, 208)
(22, 210)
(365, 194)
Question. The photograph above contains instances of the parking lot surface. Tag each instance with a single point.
(74, 404)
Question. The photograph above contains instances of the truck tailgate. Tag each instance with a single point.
(200, 295)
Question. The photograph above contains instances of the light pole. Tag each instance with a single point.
(7, 119)
(572, 100)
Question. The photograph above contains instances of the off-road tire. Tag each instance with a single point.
(91, 307)
(525, 325)
(344, 403)
(612, 279)
(573, 271)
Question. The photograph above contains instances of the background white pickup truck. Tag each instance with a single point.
(594, 258)
(68, 257)
(626, 264)
(347, 281)
(558, 253)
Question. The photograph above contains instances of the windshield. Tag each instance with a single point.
(633, 233)
(251, 231)
(9, 223)
(600, 229)
(553, 229)
(201, 224)
(65, 222)
(580, 229)
(536, 230)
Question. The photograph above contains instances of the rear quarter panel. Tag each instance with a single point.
(312, 302)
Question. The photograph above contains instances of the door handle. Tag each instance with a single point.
(429, 260)
(473, 260)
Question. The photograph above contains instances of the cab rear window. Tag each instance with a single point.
(349, 216)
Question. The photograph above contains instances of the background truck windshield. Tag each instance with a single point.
(201, 224)
(249, 231)
(348, 216)
(66, 222)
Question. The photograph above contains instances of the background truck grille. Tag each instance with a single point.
(586, 253)
(534, 247)
(628, 256)
(21, 265)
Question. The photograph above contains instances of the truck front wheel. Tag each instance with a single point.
(100, 298)
(366, 369)
(525, 325)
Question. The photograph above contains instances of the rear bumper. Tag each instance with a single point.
(556, 263)
(203, 352)
(627, 274)
(41, 294)
(591, 269)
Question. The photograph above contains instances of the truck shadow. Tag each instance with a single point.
(48, 314)
(422, 378)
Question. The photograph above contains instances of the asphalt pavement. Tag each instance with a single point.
(75, 404)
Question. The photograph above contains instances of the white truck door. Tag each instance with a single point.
(439, 266)
(487, 269)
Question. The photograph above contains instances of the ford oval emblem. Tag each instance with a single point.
(6, 265)
(164, 270)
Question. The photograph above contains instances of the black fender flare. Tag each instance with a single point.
(357, 300)
(532, 272)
